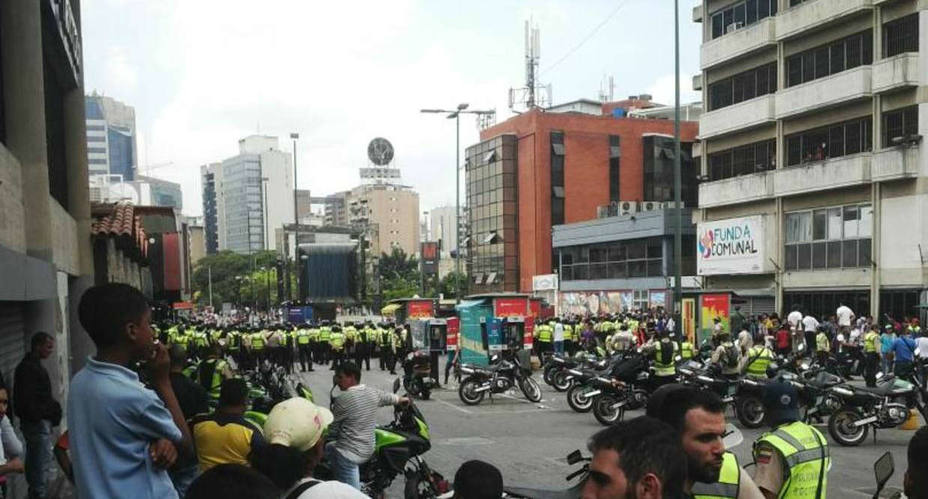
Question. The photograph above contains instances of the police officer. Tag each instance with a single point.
(212, 371)
(303, 345)
(362, 351)
(822, 346)
(686, 349)
(664, 352)
(792, 459)
(337, 344)
(758, 360)
(325, 343)
(387, 349)
(872, 345)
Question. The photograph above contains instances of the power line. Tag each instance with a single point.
(588, 37)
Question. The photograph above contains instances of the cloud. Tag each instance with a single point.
(663, 90)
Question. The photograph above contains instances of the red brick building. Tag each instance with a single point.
(541, 168)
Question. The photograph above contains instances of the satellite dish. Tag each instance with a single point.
(380, 151)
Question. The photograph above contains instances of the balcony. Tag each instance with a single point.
(736, 190)
(817, 14)
(823, 175)
(895, 72)
(832, 90)
(747, 114)
(739, 43)
(895, 163)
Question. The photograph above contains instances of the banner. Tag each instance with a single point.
(592, 303)
(454, 325)
(510, 307)
(546, 282)
(714, 305)
(732, 246)
(528, 333)
(430, 255)
(419, 309)
(689, 319)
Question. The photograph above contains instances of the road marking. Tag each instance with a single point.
(449, 404)
(465, 441)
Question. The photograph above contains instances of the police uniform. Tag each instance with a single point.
(303, 345)
(337, 344)
(759, 359)
(872, 346)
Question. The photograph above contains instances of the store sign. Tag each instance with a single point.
(510, 307)
(430, 255)
(547, 282)
(733, 246)
(419, 309)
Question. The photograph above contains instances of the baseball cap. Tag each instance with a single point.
(297, 423)
(781, 402)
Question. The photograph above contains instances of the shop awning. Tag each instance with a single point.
(390, 309)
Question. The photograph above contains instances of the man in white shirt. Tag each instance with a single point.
(559, 337)
(809, 328)
(845, 316)
(794, 319)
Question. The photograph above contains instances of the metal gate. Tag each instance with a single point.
(12, 338)
(761, 305)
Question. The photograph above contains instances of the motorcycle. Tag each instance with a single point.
(417, 369)
(266, 388)
(629, 388)
(498, 377)
(554, 364)
(885, 406)
(563, 378)
(398, 449)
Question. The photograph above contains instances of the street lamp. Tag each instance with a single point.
(267, 236)
(677, 177)
(455, 114)
(296, 220)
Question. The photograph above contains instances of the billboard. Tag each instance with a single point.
(418, 309)
(510, 307)
(430, 255)
(732, 246)
(714, 305)
(546, 282)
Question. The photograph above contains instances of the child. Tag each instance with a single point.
(123, 436)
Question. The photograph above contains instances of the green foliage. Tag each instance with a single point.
(238, 279)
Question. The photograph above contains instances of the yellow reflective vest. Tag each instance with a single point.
(759, 359)
(805, 458)
(728, 484)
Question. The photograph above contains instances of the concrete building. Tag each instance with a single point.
(46, 261)
(111, 138)
(196, 236)
(813, 154)
(443, 226)
(393, 210)
(543, 169)
(144, 191)
(336, 208)
(248, 196)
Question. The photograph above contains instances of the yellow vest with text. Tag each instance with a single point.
(871, 340)
(665, 368)
(805, 459)
(759, 358)
(728, 484)
(302, 336)
(686, 350)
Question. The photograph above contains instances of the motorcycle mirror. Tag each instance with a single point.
(732, 436)
(883, 469)
(396, 385)
(805, 365)
(678, 358)
(879, 375)
(574, 457)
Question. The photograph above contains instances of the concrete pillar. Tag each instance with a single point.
(876, 245)
(24, 112)
(778, 219)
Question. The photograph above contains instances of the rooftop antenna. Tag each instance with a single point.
(607, 89)
(533, 94)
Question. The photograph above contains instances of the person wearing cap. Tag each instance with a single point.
(294, 431)
(792, 459)
(698, 416)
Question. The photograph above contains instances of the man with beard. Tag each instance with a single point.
(698, 416)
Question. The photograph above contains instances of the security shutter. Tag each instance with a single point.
(762, 305)
(12, 334)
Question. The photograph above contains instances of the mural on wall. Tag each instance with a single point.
(714, 305)
(593, 303)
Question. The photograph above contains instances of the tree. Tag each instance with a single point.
(399, 275)
(448, 287)
(235, 278)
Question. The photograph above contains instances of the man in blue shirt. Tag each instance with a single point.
(123, 436)
(904, 354)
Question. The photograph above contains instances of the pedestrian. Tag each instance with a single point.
(792, 459)
(737, 321)
(887, 338)
(845, 318)
(123, 436)
(903, 356)
(453, 353)
(355, 412)
(233, 481)
(38, 412)
(478, 480)
(11, 449)
(698, 417)
(822, 347)
(225, 436)
(783, 341)
(559, 337)
(810, 326)
(871, 356)
(193, 400)
(640, 458)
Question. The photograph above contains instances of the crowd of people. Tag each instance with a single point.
(140, 423)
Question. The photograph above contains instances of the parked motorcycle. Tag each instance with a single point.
(417, 369)
(564, 378)
(885, 406)
(500, 376)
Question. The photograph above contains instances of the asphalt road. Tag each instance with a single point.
(528, 442)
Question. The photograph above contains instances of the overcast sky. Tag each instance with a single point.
(202, 74)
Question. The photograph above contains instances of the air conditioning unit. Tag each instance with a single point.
(628, 207)
(602, 211)
(650, 206)
(733, 27)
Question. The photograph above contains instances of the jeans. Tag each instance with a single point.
(183, 476)
(343, 469)
(38, 437)
(559, 347)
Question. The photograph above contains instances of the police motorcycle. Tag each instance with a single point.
(587, 384)
(748, 397)
(500, 376)
(577, 479)
(267, 387)
(885, 406)
(627, 387)
(554, 364)
(398, 449)
(417, 369)
(565, 377)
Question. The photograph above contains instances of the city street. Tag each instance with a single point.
(528, 442)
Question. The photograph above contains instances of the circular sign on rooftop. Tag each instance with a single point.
(380, 151)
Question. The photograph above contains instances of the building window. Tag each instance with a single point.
(615, 260)
(741, 14)
(840, 139)
(659, 153)
(640, 299)
(744, 160)
(825, 60)
(98, 128)
(829, 238)
(743, 86)
(557, 178)
(899, 123)
(615, 153)
(900, 36)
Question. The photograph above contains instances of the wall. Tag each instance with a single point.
(64, 233)
(12, 216)
(277, 166)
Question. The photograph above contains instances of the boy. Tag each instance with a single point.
(123, 436)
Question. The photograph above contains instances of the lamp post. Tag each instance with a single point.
(677, 176)
(296, 220)
(267, 236)
(455, 114)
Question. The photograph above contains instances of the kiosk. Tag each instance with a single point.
(492, 324)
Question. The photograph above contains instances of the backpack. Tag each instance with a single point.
(732, 356)
(666, 353)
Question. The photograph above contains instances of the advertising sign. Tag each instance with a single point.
(419, 309)
(689, 319)
(430, 255)
(495, 335)
(714, 305)
(418, 334)
(454, 325)
(528, 333)
(510, 307)
(732, 246)
(546, 282)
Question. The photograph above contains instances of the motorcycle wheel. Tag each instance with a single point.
(576, 399)
(416, 388)
(467, 393)
(603, 411)
(531, 389)
(426, 393)
(638, 400)
(750, 412)
(549, 374)
(841, 428)
(560, 381)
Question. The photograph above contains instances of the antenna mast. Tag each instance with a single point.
(533, 94)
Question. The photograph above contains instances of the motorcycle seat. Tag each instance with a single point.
(880, 390)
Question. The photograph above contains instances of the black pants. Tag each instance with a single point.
(324, 349)
(389, 359)
(362, 354)
(305, 357)
(434, 356)
(871, 366)
(338, 358)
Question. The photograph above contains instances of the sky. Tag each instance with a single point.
(202, 74)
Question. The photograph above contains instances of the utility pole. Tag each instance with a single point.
(677, 177)
(209, 276)
(296, 220)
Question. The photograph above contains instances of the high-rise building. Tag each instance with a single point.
(443, 226)
(336, 208)
(813, 154)
(539, 170)
(111, 139)
(248, 196)
(393, 210)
